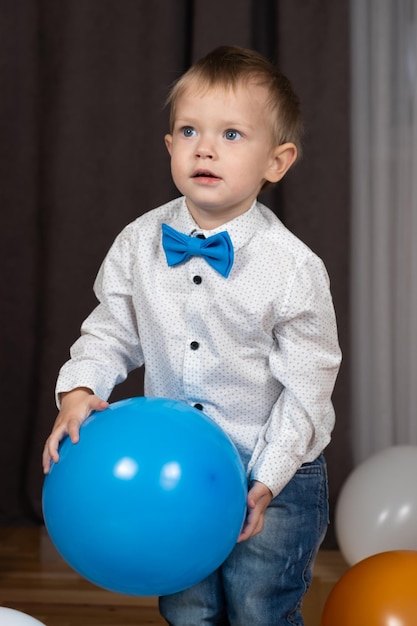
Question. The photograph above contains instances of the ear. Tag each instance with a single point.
(282, 157)
(168, 142)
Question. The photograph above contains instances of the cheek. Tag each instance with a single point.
(175, 162)
(178, 155)
(246, 172)
(177, 171)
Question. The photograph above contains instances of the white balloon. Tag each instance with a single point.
(377, 507)
(10, 617)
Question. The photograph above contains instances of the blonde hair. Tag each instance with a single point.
(228, 66)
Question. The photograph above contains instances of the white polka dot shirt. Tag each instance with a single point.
(257, 351)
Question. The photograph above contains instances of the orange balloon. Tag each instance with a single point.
(381, 590)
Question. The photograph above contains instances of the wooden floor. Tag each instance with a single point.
(35, 580)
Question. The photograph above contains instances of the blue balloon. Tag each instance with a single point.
(150, 501)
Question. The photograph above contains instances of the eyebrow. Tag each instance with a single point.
(190, 121)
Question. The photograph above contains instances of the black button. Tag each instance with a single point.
(194, 345)
(197, 280)
(198, 406)
(200, 236)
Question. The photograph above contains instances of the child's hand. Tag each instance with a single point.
(259, 497)
(76, 406)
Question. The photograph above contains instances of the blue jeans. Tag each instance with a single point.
(263, 581)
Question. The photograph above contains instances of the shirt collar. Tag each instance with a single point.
(241, 229)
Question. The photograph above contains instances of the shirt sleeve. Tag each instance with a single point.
(109, 346)
(305, 359)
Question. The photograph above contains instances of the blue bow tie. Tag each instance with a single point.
(217, 250)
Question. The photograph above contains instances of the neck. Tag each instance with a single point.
(210, 220)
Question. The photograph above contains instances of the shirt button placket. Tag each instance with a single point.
(196, 303)
(194, 345)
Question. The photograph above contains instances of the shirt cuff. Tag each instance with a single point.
(71, 377)
(274, 471)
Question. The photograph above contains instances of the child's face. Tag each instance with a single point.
(221, 151)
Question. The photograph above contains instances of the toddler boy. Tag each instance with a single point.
(231, 313)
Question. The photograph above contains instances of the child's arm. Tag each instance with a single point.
(107, 350)
(109, 346)
(305, 359)
(76, 406)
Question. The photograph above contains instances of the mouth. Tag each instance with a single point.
(205, 174)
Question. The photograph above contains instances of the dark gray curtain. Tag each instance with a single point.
(82, 121)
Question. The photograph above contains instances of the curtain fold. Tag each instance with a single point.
(82, 124)
(384, 220)
(19, 249)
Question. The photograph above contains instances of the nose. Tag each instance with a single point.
(204, 154)
(205, 149)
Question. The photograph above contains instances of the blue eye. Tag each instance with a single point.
(232, 135)
(188, 131)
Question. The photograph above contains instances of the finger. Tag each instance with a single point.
(96, 404)
(52, 448)
(46, 461)
(70, 428)
(73, 430)
(250, 530)
(50, 453)
(251, 501)
(52, 444)
(244, 536)
(249, 526)
(254, 522)
(246, 533)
